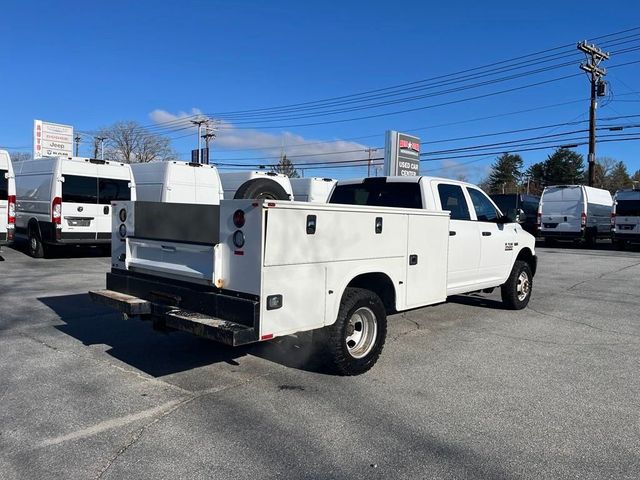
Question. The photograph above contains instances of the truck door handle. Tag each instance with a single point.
(413, 259)
(486, 234)
(106, 210)
(168, 248)
(452, 233)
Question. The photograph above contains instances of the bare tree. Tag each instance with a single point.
(129, 142)
(19, 156)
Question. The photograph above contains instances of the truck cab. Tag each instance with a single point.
(483, 243)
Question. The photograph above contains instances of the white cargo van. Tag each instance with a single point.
(7, 198)
(625, 218)
(574, 212)
(312, 189)
(255, 185)
(64, 200)
(177, 182)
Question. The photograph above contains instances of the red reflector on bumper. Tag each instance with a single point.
(267, 337)
(238, 252)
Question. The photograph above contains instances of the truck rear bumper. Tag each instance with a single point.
(224, 317)
(629, 237)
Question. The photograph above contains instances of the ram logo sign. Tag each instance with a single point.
(401, 154)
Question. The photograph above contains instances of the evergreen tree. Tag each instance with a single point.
(563, 167)
(505, 173)
(618, 178)
(636, 176)
(286, 166)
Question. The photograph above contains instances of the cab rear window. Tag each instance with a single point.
(4, 185)
(379, 194)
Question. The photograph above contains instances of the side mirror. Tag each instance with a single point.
(504, 219)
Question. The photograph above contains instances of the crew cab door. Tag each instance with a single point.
(464, 238)
(496, 240)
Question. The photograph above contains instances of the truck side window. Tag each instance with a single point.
(452, 199)
(485, 211)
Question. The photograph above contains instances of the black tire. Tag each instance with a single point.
(261, 188)
(516, 291)
(35, 246)
(345, 355)
(590, 238)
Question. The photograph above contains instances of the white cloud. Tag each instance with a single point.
(260, 144)
(472, 172)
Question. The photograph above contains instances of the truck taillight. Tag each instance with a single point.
(56, 211)
(539, 220)
(583, 219)
(238, 218)
(12, 209)
(613, 220)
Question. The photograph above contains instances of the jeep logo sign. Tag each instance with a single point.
(401, 154)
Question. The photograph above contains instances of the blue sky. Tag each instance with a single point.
(90, 64)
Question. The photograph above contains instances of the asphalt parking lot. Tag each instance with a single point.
(462, 390)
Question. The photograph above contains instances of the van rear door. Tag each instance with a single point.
(628, 216)
(562, 209)
(80, 204)
(109, 190)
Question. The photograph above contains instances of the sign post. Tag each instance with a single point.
(401, 154)
(52, 139)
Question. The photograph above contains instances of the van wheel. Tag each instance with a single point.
(354, 342)
(590, 238)
(261, 188)
(36, 248)
(516, 291)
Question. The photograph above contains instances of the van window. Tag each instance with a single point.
(379, 194)
(452, 199)
(78, 189)
(4, 185)
(625, 208)
(110, 190)
(559, 194)
(485, 211)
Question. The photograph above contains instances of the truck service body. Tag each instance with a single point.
(255, 270)
(64, 200)
(7, 199)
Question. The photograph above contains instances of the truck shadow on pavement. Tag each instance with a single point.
(66, 251)
(159, 353)
(476, 301)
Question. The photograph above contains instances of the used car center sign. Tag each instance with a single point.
(401, 154)
(52, 139)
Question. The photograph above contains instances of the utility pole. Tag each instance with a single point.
(210, 133)
(598, 89)
(77, 139)
(199, 123)
(370, 150)
(101, 140)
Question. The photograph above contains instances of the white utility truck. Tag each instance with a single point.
(574, 212)
(7, 199)
(252, 270)
(177, 182)
(312, 189)
(625, 218)
(65, 200)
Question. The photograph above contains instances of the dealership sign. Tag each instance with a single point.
(52, 139)
(401, 154)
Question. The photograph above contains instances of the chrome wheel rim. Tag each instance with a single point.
(523, 286)
(34, 244)
(362, 331)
